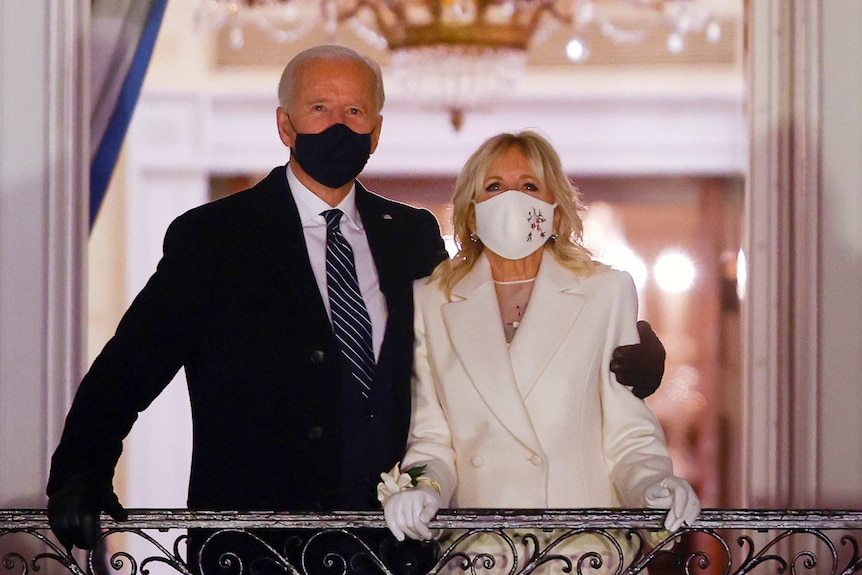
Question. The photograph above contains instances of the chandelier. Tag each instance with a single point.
(455, 55)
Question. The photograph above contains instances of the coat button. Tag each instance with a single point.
(535, 460)
(317, 356)
(477, 461)
(315, 433)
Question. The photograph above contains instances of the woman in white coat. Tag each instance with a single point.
(513, 402)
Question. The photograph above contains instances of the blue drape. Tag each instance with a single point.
(123, 35)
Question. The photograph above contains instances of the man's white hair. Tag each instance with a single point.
(326, 52)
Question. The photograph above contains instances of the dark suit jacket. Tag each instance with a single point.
(234, 302)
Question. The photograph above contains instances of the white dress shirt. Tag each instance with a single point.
(310, 207)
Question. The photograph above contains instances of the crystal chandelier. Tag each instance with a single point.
(455, 55)
(630, 21)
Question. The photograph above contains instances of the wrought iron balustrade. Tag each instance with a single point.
(471, 542)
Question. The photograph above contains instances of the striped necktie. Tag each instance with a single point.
(350, 320)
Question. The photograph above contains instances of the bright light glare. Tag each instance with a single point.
(576, 51)
(741, 275)
(713, 32)
(675, 43)
(623, 258)
(674, 272)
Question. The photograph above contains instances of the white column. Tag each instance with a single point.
(803, 313)
(781, 307)
(840, 246)
(43, 183)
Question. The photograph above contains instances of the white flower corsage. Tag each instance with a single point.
(396, 481)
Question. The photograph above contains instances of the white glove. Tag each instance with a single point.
(678, 497)
(408, 512)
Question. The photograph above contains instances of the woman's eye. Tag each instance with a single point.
(495, 187)
(531, 187)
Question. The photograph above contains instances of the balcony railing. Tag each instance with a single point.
(472, 542)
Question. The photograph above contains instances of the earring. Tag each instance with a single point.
(554, 237)
(474, 238)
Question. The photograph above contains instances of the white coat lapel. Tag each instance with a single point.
(476, 332)
(553, 308)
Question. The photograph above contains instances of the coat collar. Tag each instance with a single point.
(555, 304)
(504, 375)
(274, 224)
(381, 224)
(281, 219)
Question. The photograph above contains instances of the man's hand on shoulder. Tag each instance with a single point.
(74, 508)
(641, 365)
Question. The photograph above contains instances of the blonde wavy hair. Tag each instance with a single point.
(567, 242)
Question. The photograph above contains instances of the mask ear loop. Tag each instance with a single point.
(554, 235)
(474, 237)
(292, 127)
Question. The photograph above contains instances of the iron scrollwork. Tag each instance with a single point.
(469, 542)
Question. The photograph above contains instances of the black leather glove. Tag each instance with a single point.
(641, 365)
(73, 511)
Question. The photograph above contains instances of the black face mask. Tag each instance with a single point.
(333, 157)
